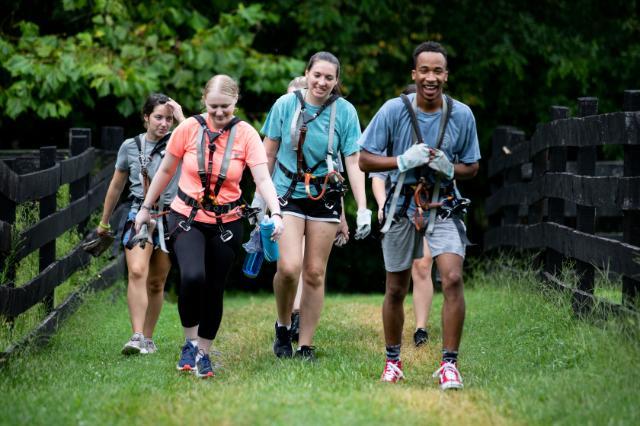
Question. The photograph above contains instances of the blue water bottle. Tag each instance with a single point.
(269, 247)
(255, 256)
(252, 264)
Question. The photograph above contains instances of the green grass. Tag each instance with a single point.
(524, 359)
(28, 268)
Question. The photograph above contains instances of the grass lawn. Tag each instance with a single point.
(523, 358)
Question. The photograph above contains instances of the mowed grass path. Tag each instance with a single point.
(524, 361)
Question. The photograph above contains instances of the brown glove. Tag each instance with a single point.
(96, 245)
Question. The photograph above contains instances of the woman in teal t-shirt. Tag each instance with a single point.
(304, 132)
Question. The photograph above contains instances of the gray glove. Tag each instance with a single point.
(441, 164)
(363, 224)
(417, 155)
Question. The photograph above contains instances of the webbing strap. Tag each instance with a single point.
(444, 120)
(416, 138)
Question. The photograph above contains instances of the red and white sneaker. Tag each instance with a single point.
(449, 376)
(392, 371)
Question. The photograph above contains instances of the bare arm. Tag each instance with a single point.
(379, 191)
(464, 171)
(116, 186)
(369, 162)
(264, 186)
(356, 180)
(161, 179)
(271, 147)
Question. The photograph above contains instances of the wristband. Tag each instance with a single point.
(145, 207)
(106, 227)
(277, 214)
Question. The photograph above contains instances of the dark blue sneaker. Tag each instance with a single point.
(187, 360)
(204, 366)
(282, 344)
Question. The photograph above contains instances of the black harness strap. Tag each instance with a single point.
(302, 166)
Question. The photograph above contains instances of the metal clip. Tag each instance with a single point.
(185, 226)
(226, 235)
(282, 202)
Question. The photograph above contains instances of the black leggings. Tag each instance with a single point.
(204, 261)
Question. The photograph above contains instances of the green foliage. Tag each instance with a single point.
(126, 52)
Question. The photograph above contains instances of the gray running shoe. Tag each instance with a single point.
(150, 346)
(135, 345)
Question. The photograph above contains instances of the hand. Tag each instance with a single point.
(260, 203)
(380, 214)
(177, 110)
(417, 155)
(101, 231)
(441, 164)
(363, 223)
(278, 228)
(143, 217)
(342, 235)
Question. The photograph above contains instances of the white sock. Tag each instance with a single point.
(284, 325)
(194, 342)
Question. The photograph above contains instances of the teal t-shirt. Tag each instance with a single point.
(277, 126)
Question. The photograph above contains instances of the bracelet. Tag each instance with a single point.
(277, 214)
(145, 207)
(106, 227)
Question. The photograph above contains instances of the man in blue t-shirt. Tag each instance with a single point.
(388, 145)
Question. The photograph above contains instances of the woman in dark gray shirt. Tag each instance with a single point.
(148, 264)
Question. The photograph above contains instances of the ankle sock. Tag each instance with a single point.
(284, 325)
(393, 352)
(450, 356)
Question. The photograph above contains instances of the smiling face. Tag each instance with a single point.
(159, 122)
(430, 75)
(220, 107)
(322, 77)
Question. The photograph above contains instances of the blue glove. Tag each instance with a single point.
(441, 164)
(417, 155)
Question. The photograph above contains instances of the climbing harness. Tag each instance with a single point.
(208, 200)
(330, 187)
(158, 210)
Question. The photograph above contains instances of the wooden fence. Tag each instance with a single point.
(552, 194)
(26, 178)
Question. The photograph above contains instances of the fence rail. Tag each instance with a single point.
(585, 209)
(20, 183)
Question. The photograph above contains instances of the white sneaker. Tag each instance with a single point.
(135, 345)
(150, 346)
(448, 376)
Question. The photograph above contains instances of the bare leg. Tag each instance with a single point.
(289, 266)
(397, 286)
(296, 301)
(453, 310)
(137, 299)
(422, 287)
(319, 238)
(159, 266)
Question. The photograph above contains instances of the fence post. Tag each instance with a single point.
(498, 140)
(631, 218)
(513, 175)
(79, 141)
(555, 206)
(47, 253)
(585, 215)
(111, 138)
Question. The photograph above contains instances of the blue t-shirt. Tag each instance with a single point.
(392, 125)
(277, 126)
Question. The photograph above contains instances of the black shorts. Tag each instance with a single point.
(307, 209)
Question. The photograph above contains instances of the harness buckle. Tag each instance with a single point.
(226, 235)
(184, 226)
(282, 201)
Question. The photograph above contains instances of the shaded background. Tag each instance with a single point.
(82, 63)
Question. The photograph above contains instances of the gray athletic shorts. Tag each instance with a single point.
(446, 238)
(402, 244)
